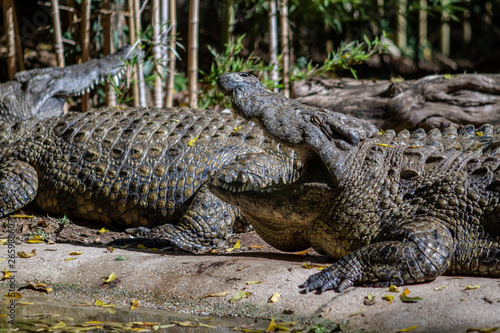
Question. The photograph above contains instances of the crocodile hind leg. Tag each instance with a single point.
(204, 226)
(412, 254)
(18, 185)
(476, 258)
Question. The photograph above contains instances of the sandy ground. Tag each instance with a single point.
(180, 282)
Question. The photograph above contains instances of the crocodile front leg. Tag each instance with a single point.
(204, 226)
(18, 185)
(414, 253)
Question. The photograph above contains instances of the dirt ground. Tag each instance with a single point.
(205, 284)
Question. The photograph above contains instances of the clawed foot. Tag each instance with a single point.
(333, 277)
(138, 232)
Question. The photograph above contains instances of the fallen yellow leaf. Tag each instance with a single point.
(273, 327)
(6, 274)
(384, 145)
(394, 289)
(476, 286)
(3, 241)
(3, 259)
(34, 241)
(68, 259)
(103, 230)
(388, 298)
(13, 294)
(110, 278)
(441, 288)
(192, 141)
(22, 216)
(309, 265)
(219, 294)
(252, 282)
(274, 298)
(40, 287)
(239, 295)
(134, 304)
(102, 304)
(408, 329)
(76, 253)
(237, 245)
(23, 254)
(301, 253)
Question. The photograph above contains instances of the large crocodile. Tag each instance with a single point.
(393, 208)
(136, 168)
(42, 92)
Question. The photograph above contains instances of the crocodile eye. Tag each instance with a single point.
(245, 74)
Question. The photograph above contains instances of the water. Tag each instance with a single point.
(65, 316)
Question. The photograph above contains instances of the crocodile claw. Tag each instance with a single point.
(332, 277)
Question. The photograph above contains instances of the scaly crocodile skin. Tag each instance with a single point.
(136, 168)
(393, 208)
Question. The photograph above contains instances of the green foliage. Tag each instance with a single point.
(346, 56)
(230, 61)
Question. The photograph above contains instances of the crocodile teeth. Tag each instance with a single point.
(240, 176)
(225, 186)
(215, 181)
(87, 90)
(281, 181)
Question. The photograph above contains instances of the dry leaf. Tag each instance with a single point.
(408, 329)
(300, 253)
(369, 299)
(110, 278)
(102, 304)
(6, 274)
(482, 329)
(239, 295)
(22, 216)
(441, 288)
(103, 230)
(394, 289)
(23, 254)
(40, 287)
(237, 245)
(219, 294)
(388, 298)
(274, 298)
(13, 294)
(3, 259)
(309, 265)
(273, 327)
(192, 141)
(3, 241)
(252, 282)
(76, 253)
(357, 313)
(476, 286)
(134, 304)
(68, 259)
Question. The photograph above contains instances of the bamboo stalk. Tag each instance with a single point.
(140, 72)
(132, 38)
(445, 34)
(155, 23)
(108, 46)
(19, 47)
(422, 30)
(8, 10)
(169, 96)
(285, 50)
(273, 43)
(401, 35)
(228, 21)
(85, 38)
(56, 23)
(193, 52)
(164, 36)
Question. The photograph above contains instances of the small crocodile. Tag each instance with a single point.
(137, 167)
(42, 92)
(391, 208)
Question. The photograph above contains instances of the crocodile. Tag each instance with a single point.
(42, 92)
(389, 208)
(143, 169)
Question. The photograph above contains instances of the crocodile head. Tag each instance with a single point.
(42, 92)
(323, 139)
